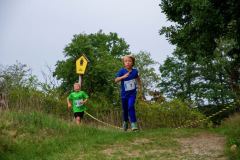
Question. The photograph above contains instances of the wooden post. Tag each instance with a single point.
(80, 80)
(3, 101)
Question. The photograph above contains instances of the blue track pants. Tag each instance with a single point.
(128, 108)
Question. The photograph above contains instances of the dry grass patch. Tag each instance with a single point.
(201, 146)
(138, 148)
(205, 145)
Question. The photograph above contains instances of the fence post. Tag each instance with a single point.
(3, 101)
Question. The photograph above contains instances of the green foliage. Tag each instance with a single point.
(149, 78)
(23, 91)
(231, 129)
(103, 51)
(35, 135)
(105, 111)
(109, 110)
(168, 114)
(15, 76)
(33, 100)
(176, 78)
(203, 28)
(171, 114)
(205, 21)
(210, 110)
(202, 81)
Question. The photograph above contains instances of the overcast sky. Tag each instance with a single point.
(35, 32)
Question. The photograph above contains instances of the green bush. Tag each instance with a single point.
(23, 99)
(231, 128)
(209, 110)
(104, 110)
(171, 114)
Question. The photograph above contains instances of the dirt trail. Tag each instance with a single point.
(203, 146)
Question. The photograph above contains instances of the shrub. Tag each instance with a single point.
(168, 114)
(231, 128)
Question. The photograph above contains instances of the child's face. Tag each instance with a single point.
(128, 63)
(76, 87)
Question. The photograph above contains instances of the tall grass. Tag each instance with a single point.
(25, 99)
(169, 114)
(231, 128)
(40, 136)
(166, 115)
(35, 135)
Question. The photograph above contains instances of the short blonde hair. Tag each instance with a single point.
(129, 56)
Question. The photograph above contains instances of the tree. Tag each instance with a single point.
(177, 77)
(204, 81)
(103, 51)
(149, 77)
(15, 76)
(200, 26)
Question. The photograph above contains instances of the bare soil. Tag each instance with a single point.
(203, 146)
(206, 145)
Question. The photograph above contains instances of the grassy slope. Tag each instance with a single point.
(39, 136)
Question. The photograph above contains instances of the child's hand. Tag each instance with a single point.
(125, 75)
(122, 77)
(83, 102)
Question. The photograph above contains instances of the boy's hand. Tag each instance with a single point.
(118, 79)
(82, 102)
(125, 75)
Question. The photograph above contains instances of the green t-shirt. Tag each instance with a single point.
(76, 98)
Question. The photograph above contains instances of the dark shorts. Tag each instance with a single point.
(78, 114)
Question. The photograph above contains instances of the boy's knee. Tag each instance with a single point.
(131, 108)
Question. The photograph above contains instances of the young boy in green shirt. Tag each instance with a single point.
(77, 100)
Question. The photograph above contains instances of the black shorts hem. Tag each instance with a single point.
(79, 114)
